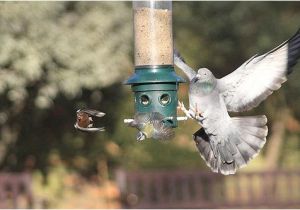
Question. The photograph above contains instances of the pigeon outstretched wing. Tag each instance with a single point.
(180, 63)
(257, 78)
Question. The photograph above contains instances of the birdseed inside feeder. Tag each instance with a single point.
(154, 82)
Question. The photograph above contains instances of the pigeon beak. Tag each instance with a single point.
(195, 79)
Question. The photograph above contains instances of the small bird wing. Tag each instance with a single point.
(140, 119)
(157, 116)
(93, 112)
(162, 131)
(157, 128)
(88, 129)
(257, 78)
(180, 63)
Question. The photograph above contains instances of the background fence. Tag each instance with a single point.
(180, 189)
(197, 189)
(15, 190)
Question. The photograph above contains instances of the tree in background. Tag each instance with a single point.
(56, 57)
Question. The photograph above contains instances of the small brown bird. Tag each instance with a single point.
(84, 120)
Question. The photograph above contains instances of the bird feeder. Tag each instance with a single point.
(154, 82)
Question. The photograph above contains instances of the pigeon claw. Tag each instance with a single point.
(197, 114)
(184, 110)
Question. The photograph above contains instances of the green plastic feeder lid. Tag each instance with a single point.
(154, 74)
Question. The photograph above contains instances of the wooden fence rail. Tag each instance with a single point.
(15, 190)
(197, 189)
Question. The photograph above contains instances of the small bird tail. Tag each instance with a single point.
(242, 143)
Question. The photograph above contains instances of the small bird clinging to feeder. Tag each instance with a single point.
(84, 121)
(151, 125)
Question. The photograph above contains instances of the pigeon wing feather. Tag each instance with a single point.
(180, 63)
(257, 78)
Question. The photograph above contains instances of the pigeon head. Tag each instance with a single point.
(204, 80)
(205, 75)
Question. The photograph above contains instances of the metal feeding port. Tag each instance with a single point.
(154, 82)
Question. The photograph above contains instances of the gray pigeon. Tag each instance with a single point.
(229, 143)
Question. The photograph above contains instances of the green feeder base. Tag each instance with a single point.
(155, 89)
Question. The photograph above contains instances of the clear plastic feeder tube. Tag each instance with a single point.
(153, 33)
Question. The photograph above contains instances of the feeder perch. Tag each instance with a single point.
(154, 82)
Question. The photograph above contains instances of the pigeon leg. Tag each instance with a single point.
(192, 114)
(188, 113)
(197, 113)
(195, 116)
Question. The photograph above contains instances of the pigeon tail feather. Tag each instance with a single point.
(243, 143)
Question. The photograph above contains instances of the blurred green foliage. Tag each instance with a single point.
(57, 57)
